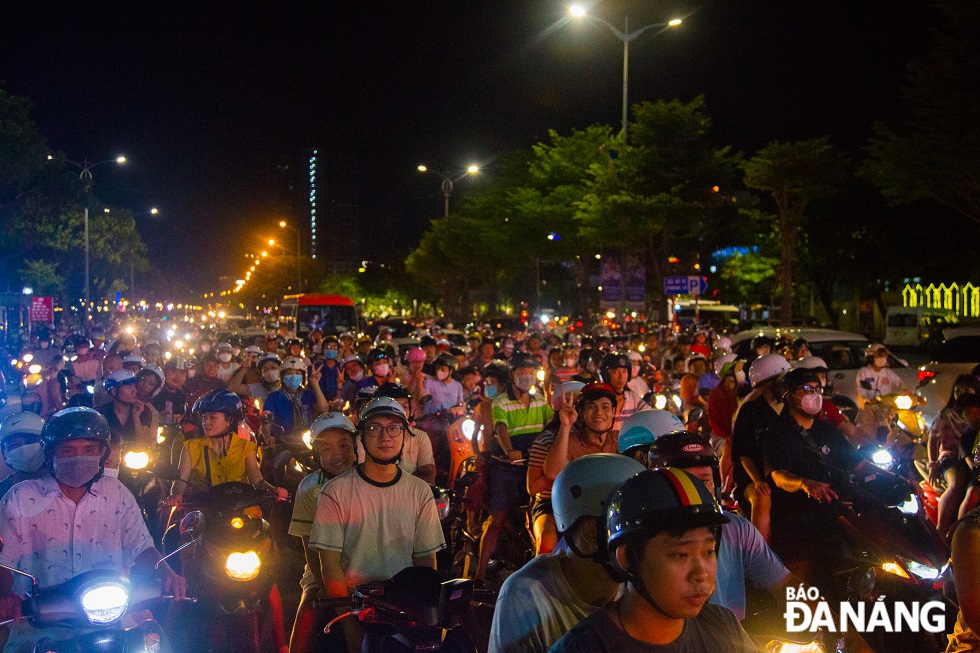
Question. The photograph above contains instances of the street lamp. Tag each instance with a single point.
(299, 279)
(448, 181)
(578, 11)
(86, 176)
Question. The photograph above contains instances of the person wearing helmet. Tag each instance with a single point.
(20, 444)
(364, 346)
(150, 382)
(518, 417)
(549, 595)
(108, 529)
(268, 372)
(84, 364)
(585, 427)
(799, 451)
(616, 369)
(110, 363)
(330, 375)
(374, 520)
(332, 436)
(410, 375)
(442, 402)
(637, 383)
(250, 360)
(133, 362)
(380, 365)
(296, 403)
(568, 367)
(743, 553)
(171, 401)
(220, 456)
(152, 352)
(859, 435)
(473, 342)
(227, 365)
(352, 368)
(761, 346)
(696, 366)
(588, 366)
(428, 344)
(206, 380)
(417, 457)
(347, 345)
(642, 428)
(876, 379)
(753, 420)
(131, 420)
(663, 529)
(701, 344)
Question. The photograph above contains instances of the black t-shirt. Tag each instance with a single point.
(714, 630)
(754, 420)
(176, 398)
(812, 453)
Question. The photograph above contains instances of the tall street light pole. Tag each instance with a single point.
(299, 278)
(448, 181)
(86, 176)
(625, 36)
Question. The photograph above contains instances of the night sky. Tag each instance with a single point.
(217, 103)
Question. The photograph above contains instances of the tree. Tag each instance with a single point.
(936, 154)
(795, 173)
(42, 277)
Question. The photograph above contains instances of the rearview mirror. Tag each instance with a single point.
(190, 524)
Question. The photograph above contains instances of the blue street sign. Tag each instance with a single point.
(691, 285)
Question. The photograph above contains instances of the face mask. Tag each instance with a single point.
(191, 373)
(524, 383)
(881, 361)
(270, 376)
(292, 381)
(224, 357)
(330, 354)
(811, 404)
(740, 376)
(381, 369)
(205, 348)
(356, 376)
(490, 391)
(442, 375)
(27, 458)
(77, 470)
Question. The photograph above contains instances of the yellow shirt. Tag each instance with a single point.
(224, 469)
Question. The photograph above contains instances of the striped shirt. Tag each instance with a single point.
(576, 449)
(632, 403)
(523, 424)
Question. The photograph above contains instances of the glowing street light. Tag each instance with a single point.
(448, 181)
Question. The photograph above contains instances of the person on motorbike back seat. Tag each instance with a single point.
(332, 436)
(294, 406)
(131, 420)
(441, 404)
(108, 529)
(171, 401)
(950, 446)
(20, 444)
(267, 367)
(586, 420)
(549, 595)
(380, 365)
(330, 376)
(616, 370)
(663, 531)
(799, 452)
(220, 456)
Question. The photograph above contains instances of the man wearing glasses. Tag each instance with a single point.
(375, 520)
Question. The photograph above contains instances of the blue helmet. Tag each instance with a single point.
(220, 401)
(642, 428)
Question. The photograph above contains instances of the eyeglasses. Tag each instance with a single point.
(810, 389)
(393, 431)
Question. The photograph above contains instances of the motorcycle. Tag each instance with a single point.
(413, 611)
(231, 570)
(29, 371)
(93, 607)
(464, 436)
(136, 473)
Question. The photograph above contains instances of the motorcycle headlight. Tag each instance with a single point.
(136, 459)
(677, 401)
(782, 646)
(27, 358)
(442, 505)
(895, 568)
(243, 566)
(911, 506)
(882, 458)
(308, 439)
(105, 603)
(161, 435)
(660, 402)
(925, 572)
(468, 427)
(34, 369)
(903, 402)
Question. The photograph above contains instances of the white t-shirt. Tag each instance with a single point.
(535, 607)
(377, 528)
(304, 511)
(225, 373)
(416, 453)
(883, 382)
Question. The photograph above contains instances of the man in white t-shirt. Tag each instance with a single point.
(416, 458)
(375, 520)
(227, 365)
(555, 591)
(332, 435)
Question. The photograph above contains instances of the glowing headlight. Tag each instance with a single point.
(243, 566)
(161, 435)
(882, 458)
(308, 439)
(911, 506)
(237, 522)
(895, 568)
(780, 646)
(136, 459)
(468, 427)
(924, 572)
(903, 402)
(28, 358)
(34, 369)
(540, 375)
(106, 603)
(677, 401)
(660, 402)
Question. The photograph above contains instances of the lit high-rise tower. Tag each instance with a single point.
(313, 205)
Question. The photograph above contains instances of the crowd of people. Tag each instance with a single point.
(624, 484)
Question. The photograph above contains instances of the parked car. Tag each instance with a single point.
(841, 350)
(958, 354)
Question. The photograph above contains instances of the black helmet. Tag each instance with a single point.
(523, 359)
(376, 355)
(795, 378)
(225, 402)
(683, 449)
(446, 359)
(77, 423)
(393, 390)
(497, 369)
(761, 341)
(657, 500)
(330, 340)
(615, 361)
(588, 355)
(427, 341)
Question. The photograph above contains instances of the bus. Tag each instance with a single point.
(332, 314)
(713, 313)
(911, 327)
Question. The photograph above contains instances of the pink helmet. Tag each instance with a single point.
(415, 354)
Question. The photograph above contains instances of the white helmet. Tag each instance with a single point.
(134, 358)
(722, 360)
(812, 363)
(293, 363)
(156, 370)
(567, 386)
(644, 427)
(21, 424)
(382, 406)
(118, 378)
(582, 488)
(766, 367)
(634, 355)
(723, 343)
(331, 420)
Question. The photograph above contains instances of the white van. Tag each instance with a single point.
(911, 327)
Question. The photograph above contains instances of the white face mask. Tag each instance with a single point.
(270, 376)
(524, 382)
(811, 404)
(224, 357)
